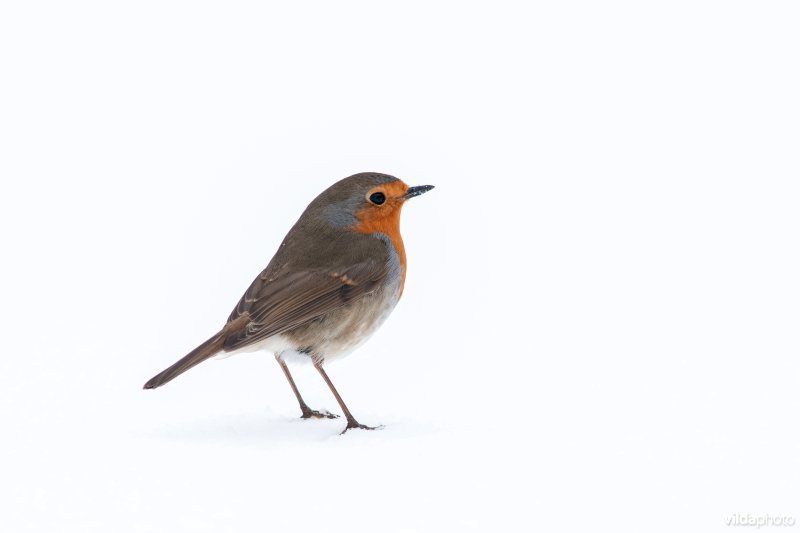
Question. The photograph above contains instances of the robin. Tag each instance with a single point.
(336, 277)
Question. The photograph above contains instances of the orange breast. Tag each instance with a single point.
(386, 219)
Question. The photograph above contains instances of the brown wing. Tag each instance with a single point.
(294, 298)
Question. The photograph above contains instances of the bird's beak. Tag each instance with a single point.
(416, 191)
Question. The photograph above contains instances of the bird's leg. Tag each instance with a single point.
(307, 411)
(352, 423)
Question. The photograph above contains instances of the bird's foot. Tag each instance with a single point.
(352, 424)
(312, 413)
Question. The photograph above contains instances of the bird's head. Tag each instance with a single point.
(367, 203)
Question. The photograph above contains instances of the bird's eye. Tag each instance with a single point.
(377, 198)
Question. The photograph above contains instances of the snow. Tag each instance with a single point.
(599, 323)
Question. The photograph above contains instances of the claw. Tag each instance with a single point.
(352, 424)
(312, 413)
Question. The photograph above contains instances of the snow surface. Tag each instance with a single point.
(600, 324)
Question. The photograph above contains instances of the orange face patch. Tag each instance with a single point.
(385, 218)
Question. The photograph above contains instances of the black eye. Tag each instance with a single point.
(377, 198)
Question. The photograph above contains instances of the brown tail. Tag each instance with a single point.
(206, 350)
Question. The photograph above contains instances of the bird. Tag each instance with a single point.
(335, 278)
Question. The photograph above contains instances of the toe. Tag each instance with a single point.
(312, 413)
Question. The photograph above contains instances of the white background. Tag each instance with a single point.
(600, 324)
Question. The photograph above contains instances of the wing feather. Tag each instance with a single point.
(280, 303)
